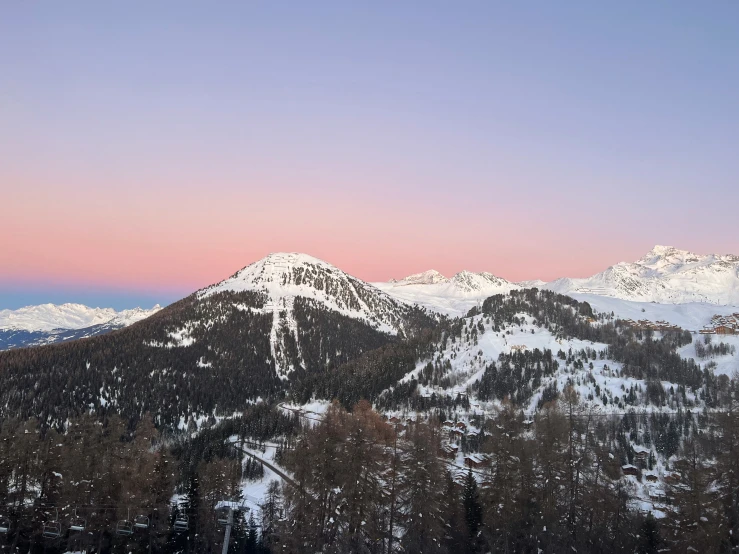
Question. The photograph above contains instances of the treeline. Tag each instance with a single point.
(517, 376)
(94, 476)
(197, 357)
(551, 485)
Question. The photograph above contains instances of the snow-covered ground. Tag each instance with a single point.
(48, 317)
(284, 276)
(665, 274)
(469, 357)
(453, 297)
(691, 316)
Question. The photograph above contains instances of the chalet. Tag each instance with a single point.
(641, 456)
(456, 434)
(394, 420)
(628, 469)
(449, 451)
(461, 425)
(724, 329)
(476, 460)
(672, 478)
(651, 478)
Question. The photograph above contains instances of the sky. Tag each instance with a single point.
(150, 149)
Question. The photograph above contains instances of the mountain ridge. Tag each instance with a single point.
(665, 274)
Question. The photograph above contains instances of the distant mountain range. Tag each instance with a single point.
(50, 323)
(293, 324)
(664, 275)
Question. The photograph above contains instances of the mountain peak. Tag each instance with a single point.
(429, 277)
(468, 281)
(661, 250)
(289, 272)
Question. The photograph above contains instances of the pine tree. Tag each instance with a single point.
(649, 537)
(472, 513)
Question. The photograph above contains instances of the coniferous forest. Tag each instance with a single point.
(129, 442)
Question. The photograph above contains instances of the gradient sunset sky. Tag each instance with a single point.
(148, 149)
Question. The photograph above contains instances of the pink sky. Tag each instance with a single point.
(164, 153)
(183, 239)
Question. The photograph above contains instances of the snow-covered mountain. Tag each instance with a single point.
(49, 323)
(48, 317)
(451, 296)
(283, 277)
(303, 299)
(664, 275)
(430, 277)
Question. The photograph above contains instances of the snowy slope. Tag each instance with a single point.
(692, 316)
(48, 317)
(284, 276)
(665, 275)
(470, 354)
(50, 323)
(454, 296)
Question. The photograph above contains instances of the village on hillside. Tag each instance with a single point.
(645, 324)
(722, 325)
(719, 325)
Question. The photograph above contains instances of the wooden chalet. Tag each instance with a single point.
(629, 469)
(476, 460)
(672, 478)
(641, 456)
(449, 451)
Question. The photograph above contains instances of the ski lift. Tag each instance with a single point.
(181, 523)
(78, 523)
(53, 529)
(222, 516)
(124, 526)
(141, 522)
(4, 524)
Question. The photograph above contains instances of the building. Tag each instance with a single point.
(641, 456)
(628, 469)
(476, 460)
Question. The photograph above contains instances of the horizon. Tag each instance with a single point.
(13, 298)
(149, 156)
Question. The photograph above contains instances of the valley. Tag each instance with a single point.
(475, 370)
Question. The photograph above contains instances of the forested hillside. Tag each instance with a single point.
(532, 424)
